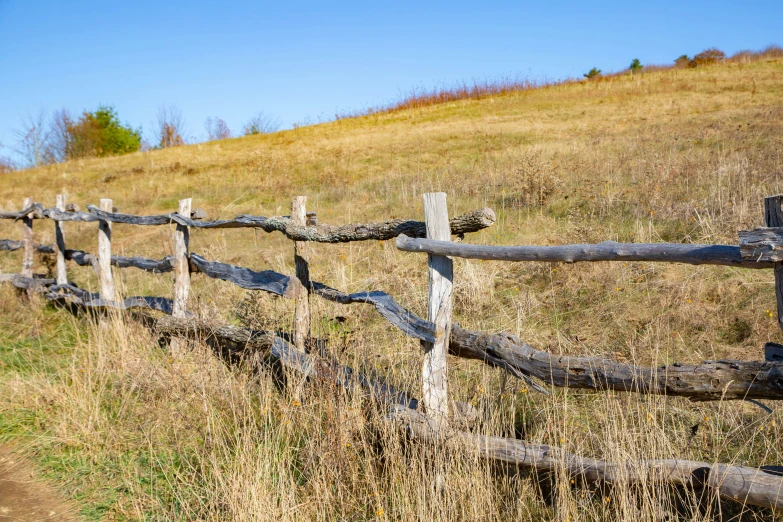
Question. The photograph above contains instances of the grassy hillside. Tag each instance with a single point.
(682, 155)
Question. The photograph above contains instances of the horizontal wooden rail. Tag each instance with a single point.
(725, 255)
(466, 223)
(267, 280)
(707, 381)
(74, 296)
(470, 222)
(755, 486)
(36, 282)
(10, 245)
(82, 258)
(408, 322)
(34, 211)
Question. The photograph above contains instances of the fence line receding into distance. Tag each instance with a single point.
(710, 380)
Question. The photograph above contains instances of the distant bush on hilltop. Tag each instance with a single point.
(97, 133)
(42, 140)
(707, 57)
(592, 73)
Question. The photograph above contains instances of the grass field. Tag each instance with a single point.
(684, 155)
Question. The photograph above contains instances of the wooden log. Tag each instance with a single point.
(10, 245)
(762, 244)
(408, 322)
(27, 239)
(59, 243)
(181, 262)
(267, 280)
(30, 210)
(708, 381)
(73, 295)
(104, 255)
(752, 486)
(434, 380)
(773, 215)
(301, 261)
(470, 222)
(607, 251)
(306, 365)
(82, 258)
(56, 214)
(37, 282)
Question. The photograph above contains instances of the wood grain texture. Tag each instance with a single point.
(75, 296)
(59, 243)
(408, 322)
(742, 484)
(35, 283)
(104, 255)
(762, 244)
(773, 216)
(441, 274)
(708, 381)
(267, 280)
(470, 222)
(29, 210)
(302, 263)
(10, 245)
(607, 251)
(27, 240)
(181, 262)
(56, 214)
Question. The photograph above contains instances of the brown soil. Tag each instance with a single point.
(25, 498)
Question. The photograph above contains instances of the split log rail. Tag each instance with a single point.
(710, 380)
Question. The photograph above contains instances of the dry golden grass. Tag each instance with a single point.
(670, 155)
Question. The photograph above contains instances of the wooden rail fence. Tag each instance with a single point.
(440, 420)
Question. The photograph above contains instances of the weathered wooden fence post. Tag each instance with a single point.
(59, 243)
(301, 260)
(27, 238)
(181, 261)
(773, 215)
(434, 393)
(104, 254)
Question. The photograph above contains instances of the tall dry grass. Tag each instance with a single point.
(670, 155)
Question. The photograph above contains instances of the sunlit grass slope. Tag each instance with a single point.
(682, 155)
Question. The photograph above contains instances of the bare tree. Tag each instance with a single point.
(217, 129)
(60, 135)
(6, 164)
(34, 141)
(261, 124)
(170, 126)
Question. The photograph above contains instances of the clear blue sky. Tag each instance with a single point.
(300, 60)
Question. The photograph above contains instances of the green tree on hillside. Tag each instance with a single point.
(592, 73)
(682, 61)
(98, 133)
(636, 66)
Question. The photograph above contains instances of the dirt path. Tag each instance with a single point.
(23, 498)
